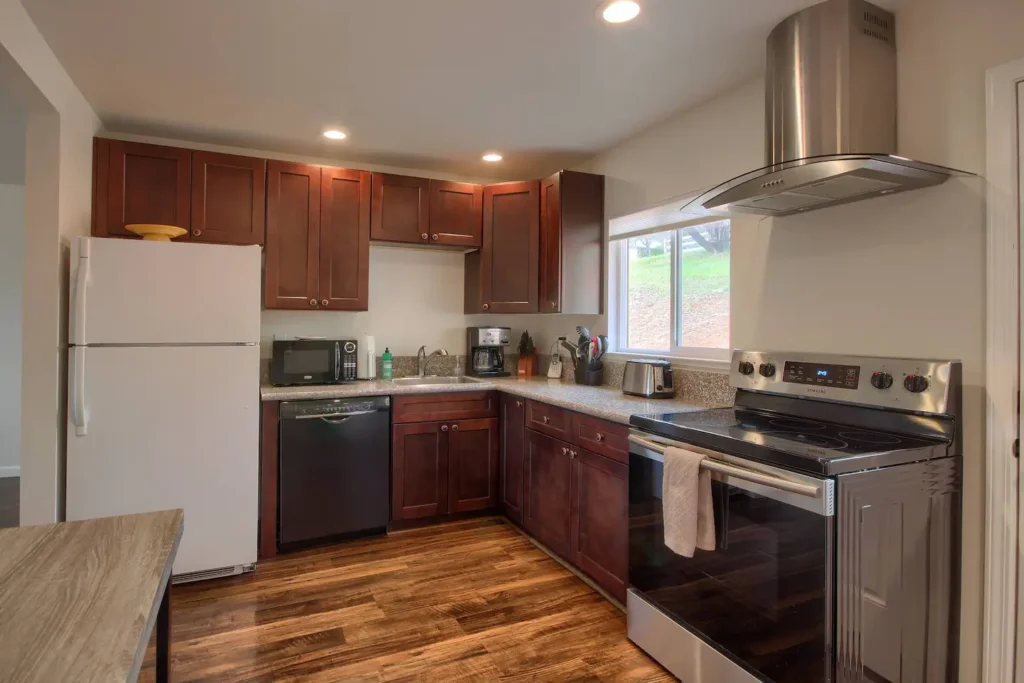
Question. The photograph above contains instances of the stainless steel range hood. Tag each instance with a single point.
(830, 114)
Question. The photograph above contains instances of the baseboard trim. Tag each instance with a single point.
(10, 471)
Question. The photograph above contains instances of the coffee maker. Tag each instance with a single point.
(487, 351)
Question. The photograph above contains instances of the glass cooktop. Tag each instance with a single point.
(799, 443)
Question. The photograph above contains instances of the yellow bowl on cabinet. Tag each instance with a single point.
(154, 232)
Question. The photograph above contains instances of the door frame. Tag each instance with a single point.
(1003, 330)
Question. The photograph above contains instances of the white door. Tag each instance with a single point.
(135, 292)
(169, 427)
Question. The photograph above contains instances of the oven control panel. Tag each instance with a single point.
(924, 386)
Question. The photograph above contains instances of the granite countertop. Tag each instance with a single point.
(603, 401)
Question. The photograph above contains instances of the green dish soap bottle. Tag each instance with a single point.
(386, 369)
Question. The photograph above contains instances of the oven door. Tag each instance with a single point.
(306, 361)
(758, 607)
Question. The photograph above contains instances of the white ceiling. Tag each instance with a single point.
(427, 84)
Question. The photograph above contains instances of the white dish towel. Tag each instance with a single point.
(687, 509)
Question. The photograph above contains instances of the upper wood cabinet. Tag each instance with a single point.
(572, 243)
(502, 276)
(139, 183)
(344, 239)
(318, 244)
(400, 209)
(292, 272)
(228, 198)
(456, 213)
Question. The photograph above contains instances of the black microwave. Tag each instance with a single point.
(313, 361)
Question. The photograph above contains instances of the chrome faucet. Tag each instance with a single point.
(422, 358)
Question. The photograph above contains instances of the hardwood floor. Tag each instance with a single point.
(10, 490)
(466, 601)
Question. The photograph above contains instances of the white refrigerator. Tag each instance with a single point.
(163, 392)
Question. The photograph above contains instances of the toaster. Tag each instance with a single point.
(648, 378)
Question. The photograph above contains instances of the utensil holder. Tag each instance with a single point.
(588, 377)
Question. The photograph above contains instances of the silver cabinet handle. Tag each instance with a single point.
(572, 454)
(423, 236)
(455, 428)
(197, 232)
(434, 237)
(600, 436)
(546, 419)
(444, 428)
(565, 451)
(312, 302)
(324, 303)
(487, 306)
(519, 404)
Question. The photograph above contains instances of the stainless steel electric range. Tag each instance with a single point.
(836, 487)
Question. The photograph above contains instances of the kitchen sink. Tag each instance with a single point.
(423, 381)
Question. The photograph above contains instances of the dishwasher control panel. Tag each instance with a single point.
(338, 407)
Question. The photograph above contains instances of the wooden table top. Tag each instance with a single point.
(78, 600)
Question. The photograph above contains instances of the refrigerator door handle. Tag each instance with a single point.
(81, 284)
(79, 413)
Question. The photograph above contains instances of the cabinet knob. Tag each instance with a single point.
(197, 232)
(324, 302)
(434, 237)
(312, 302)
(553, 304)
(423, 236)
(546, 419)
(486, 306)
(455, 428)
(600, 437)
(565, 451)
(519, 404)
(444, 428)
(572, 454)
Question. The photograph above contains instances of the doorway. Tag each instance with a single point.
(13, 121)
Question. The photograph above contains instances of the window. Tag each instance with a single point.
(669, 283)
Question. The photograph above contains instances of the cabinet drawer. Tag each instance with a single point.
(549, 419)
(600, 436)
(462, 405)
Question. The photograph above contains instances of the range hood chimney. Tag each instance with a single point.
(830, 117)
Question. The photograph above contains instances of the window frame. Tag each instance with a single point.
(618, 320)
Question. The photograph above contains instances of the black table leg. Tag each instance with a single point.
(163, 638)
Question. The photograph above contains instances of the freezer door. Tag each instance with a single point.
(173, 427)
(135, 292)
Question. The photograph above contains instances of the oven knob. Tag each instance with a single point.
(746, 368)
(767, 370)
(915, 383)
(881, 380)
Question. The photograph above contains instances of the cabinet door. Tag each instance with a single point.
(292, 273)
(572, 243)
(229, 198)
(400, 208)
(344, 239)
(419, 470)
(600, 519)
(456, 213)
(473, 465)
(513, 453)
(139, 183)
(548, 477)
(502, 276)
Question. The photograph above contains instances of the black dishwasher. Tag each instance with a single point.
(335, 469)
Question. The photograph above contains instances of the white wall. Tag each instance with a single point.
(12, 239)
(58, 189)
(901, 275)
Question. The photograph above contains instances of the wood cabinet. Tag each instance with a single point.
(599, 519)
(513, 453)
(551, 420)
(457, 405)
(548, 504)
(228, 198)
(318, 249)
(400, 208)
(600, 436)
(419, 470)
(473, 465)
(440, 468)
(572, 243)
(456, 213)
(139, 183)
(502, 276)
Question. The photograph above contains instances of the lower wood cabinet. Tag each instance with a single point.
(513, 452)
(600, 520)
(439, 468)
(548, 478)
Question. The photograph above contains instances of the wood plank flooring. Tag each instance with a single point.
(10, 490)
(466, 601)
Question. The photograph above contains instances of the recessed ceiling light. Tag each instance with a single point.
(334, 134)
(492, 156)
(619, 11)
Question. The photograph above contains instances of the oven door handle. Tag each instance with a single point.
(809, 490)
